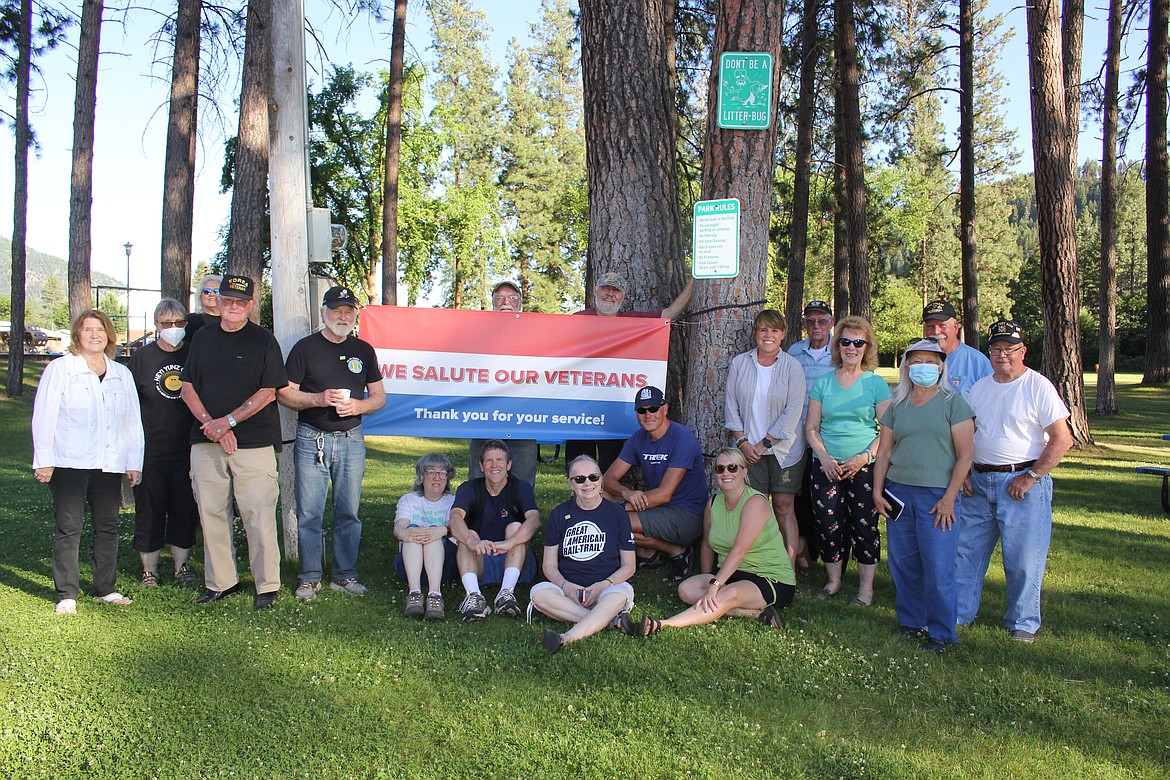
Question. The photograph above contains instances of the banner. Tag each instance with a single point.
(485, 374)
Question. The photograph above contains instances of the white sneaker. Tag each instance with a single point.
(307, 591)
(350, 586)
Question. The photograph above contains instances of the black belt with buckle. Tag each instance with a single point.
(1009, 468)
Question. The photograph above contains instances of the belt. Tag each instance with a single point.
(1009, 468)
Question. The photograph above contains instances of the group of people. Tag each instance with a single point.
(956, 458)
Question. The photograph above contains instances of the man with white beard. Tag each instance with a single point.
(333, 380)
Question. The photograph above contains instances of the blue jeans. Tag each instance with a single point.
(321, 457)
(922, 562)
(1025, 526)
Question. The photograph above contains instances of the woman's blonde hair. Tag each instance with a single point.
(869, 359)
(107, 323)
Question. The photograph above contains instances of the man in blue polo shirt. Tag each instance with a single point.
(668, 517)
(964, 365)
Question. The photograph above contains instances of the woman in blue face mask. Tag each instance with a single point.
(923, 457)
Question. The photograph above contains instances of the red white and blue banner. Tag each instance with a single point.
(486, 374)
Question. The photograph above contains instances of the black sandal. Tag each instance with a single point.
(551, 640)
(649, 626)
(770, 617)
(626, 625)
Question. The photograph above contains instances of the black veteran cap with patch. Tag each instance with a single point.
(939, 310)
(236, 287)
(339, 296)
(1005, 330)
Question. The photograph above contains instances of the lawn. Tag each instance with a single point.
(347, 687)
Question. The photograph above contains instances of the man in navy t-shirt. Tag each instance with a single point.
(668, 517)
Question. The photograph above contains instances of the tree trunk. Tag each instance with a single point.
(853, 139)
(805, 112)
(736, 164)
(1072, 33)
(1107, 333)
(635, 227)
(1056, 221)
(840, 228)
(179, 176)
(249, 215)
(81, 187)
(393, 152)
(1157, 218)
(970, 268)
(15, 384)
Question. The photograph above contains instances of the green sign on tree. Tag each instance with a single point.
(745, 90)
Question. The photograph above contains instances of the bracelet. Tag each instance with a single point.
(715, 582)
(872, 456)
(1032, 474)
(611, 582)
(742, 440)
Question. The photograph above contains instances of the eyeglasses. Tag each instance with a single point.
(648, 409)
(1004, 350)
(210, 291)
(730, 468)
(853, 342)
(436, 473)
(510, 298)
(580, 478)
(171, 323)
(232, 302)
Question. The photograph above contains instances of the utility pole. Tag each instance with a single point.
(288, 175)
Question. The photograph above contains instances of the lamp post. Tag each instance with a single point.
(127, 246)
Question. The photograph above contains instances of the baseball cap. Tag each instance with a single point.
(820, 306)
(939, 309)
(1005, 330)
(611, 280)
(505, 283)
(339, 296)
(237, 287)
(925, 345)
(648, 396)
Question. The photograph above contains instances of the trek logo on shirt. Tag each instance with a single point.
(654, 457)
(583, 541)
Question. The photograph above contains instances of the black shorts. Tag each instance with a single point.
(775, 593)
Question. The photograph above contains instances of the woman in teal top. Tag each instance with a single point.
(843, 409)
(927, 448)
(746, 566)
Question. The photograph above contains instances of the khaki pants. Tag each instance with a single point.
(251, 476)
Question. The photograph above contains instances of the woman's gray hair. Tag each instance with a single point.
(582, 459)
(904, 386)
(432, 460)
(169, 306)
(199, 289)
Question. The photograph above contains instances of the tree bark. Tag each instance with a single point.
(1072, 33)
(853, 139)
(806, 110)
(15, 382)
(393, 153)
(1055, 217)
(736, 164)
(967, 235)
(249, 213)
(1157, 216)
(179, 167)
(635, 227)
(1107, 306)
(840, 228)
(81, 187)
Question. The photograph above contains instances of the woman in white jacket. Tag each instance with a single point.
(87, 433)
(764, 403)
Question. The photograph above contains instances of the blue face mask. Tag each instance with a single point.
(924, 374)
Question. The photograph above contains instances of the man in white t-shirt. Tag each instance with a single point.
(1021, 433)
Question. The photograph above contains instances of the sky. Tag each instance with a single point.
(130, 132)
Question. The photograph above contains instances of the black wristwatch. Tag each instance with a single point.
(767, 443)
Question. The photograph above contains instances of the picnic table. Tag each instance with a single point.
(1164, 473)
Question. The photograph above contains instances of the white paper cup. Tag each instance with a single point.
(344, 393)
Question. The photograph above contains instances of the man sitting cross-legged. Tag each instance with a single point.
(492, 520)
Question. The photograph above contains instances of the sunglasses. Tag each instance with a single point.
(580, 478)
(211, 291)
(648, 409)
(171, 323)
(730, 468)
(853, 342)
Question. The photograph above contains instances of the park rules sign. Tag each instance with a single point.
(745, 90)
(715, 254)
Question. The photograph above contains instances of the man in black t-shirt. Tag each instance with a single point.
(333, 380)
(229, 384)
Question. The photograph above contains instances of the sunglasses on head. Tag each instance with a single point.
(730, 468)
(853, 342)
(580, 478)
(648, 409)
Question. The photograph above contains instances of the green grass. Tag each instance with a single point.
(348, 688)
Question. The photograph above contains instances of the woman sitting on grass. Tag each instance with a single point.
(588, 560)
(747, 568)
(421, 526)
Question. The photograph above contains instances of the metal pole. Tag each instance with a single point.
(128, 246)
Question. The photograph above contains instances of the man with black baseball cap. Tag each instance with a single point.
(229, 383)
(668, 517)
(964, 365)
(1021, 433)
(333, 381)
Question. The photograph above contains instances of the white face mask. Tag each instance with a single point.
(172, 336)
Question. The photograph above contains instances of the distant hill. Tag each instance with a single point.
(40, 267)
